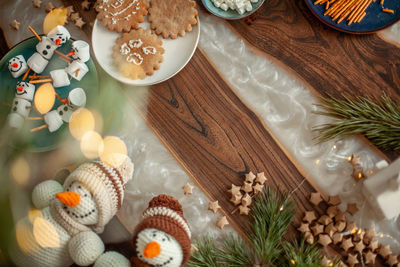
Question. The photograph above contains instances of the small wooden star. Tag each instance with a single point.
(309, 216)
(330, 229)
(359, 235)
(352, 227)
(340, 226)
(246, 200)
(315, 198)
(236, 199)
(352, 259)
(324, 240)
(337, 238)
(317, 229)
(334, 200)
(392, 260)
(222, 222)
(332, 211)
(309, 238)
(325, 220)
(370, 257)
(354, 160)
(359, 246)
(304, 227)
(79, 23)
(261, 179)
(247, 187)
(325, 261)
(15, 24)
(347, 243)
(258, 188)
(250, 177)
(369, 234)
(373, 245)
(49, 7)
(340, 216)
(70, 10)
(188, 189)
(37, 3)
(385, 251)
(85, 5)
(244, 210)
(74, 16)
(214, 206)
(352, 208)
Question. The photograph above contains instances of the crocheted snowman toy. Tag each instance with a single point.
(73, 215)
(162, 238)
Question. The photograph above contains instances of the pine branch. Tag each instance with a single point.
(235, 253)
(378, 121)
(272, 212)
(301, 255)
(206, 255)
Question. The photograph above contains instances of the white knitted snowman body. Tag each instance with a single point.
(65, 230)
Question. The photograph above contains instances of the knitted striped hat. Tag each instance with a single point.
(165, 214)
(106, 184)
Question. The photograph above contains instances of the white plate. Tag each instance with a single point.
(177, 53)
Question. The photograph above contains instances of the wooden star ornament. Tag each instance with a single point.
(261, 179)
(250, 177)
(79, 23)
(188, 189)
(37, 3)
(315, 198)
(222, 222)
(85, 5)
(214, 206)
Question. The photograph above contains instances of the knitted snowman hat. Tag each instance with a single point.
(106, 185)
(165, 214)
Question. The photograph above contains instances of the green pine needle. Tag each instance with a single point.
(235, 253)
(206, 255)
(378, 121)
(272, 212)
(301, 255)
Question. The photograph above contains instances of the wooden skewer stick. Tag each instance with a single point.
(62, 55)
(38, 77)
(34, 118)
(29, 107)
(35, 33)
(44, 126)
(64, 59)
(26, 74)
(41, 81)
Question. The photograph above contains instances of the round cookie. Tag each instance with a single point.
(138, 53)
(121, 15)
(172, 18)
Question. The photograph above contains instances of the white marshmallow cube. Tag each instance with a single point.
(37, 63)
(25, 90)
(77, 98)
(16, 121)
(17, 66)
(60, 78)
(46, 48)
(19, 106)
(53, 120)
(77, 69)
(81, 51)
(65, 112)
(59, 35)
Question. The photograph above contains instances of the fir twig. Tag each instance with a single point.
(301, 255)
(235, 253)
(206, 255)
(272, 213)
(378, 121)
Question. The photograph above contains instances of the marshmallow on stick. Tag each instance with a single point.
(22, 104)
(17, 66)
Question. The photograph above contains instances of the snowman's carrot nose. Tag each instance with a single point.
(58, 41)
(20, 88)
(15, 65)
(70, 53)
(152, 250)
(71, 199)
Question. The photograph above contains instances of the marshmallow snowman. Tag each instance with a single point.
(56, 118)
(21, 105)
(71, 217)
(60, 78)
(17, 66)
(59, 35)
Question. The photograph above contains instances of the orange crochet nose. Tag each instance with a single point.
(71, 199)
(58, 41)
(152, 250)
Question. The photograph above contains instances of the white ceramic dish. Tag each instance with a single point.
(177, 54)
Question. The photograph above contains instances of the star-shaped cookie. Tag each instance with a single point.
(214, 206)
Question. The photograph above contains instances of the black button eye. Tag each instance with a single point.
(154, 235)
(66, 109)
(48, 47)
(163, 239)
(44, 52)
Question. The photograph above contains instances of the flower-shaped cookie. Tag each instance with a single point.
(138, 53)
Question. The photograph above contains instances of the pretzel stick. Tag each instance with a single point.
(34, 118)
(64, 59)
(35, 33)
(61, 54)
(26, 74)
(39, 128)
(41, 81)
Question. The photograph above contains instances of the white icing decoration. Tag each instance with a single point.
(149, 50)
(117, 4)
(135, 43)
(125, 49)
(135, 58)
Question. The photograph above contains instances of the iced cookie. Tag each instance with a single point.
(121, 15)
(138, 53)
(172, 18)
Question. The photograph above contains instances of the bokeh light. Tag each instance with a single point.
(44, 98)
(113, 151)
(25, 238)
(57, 16)
(45, 233)
(33, 214)
(81, 122)
(90, 144)
(20, 171)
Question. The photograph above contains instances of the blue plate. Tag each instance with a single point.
(230, 14)
(42, 140)
(375, 19)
